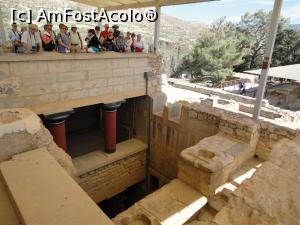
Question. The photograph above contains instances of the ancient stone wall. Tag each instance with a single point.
(196, 121)
(47, 82)
(111, 179)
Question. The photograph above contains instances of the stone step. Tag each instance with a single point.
(173, 204)
(44, 194)
(245, 171)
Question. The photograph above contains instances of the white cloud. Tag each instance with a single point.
(293, 12)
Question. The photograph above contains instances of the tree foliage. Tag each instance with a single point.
(218, 48)
(224, 47)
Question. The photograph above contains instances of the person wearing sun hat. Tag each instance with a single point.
(31, 39)
(76, 40)
(116, 31)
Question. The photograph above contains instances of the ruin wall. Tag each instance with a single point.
(173, 132)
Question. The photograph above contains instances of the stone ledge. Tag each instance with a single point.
(97, 159)
(54, 56)
(43, 193)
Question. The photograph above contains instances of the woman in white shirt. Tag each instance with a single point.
(128, 42)
(138, 44)
(31, 39)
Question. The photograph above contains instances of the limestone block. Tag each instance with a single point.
(118, 80)
(66, 202)
(66, 86)
(21, 130)
(94, 83)
(74, 95)
(62, 66)
(96, 74)
(71, 76)
(174, 203)
(100, 91)
(142, 70)
(139, 62)
(208, 164)
(118, 63)
(35, 90)
(28, 68)
(122, 72)
(45, 78)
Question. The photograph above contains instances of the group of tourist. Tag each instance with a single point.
(30, 39)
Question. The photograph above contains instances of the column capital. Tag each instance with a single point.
(113, 106)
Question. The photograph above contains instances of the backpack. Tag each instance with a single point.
(69, 34)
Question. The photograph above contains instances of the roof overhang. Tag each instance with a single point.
(112, 5)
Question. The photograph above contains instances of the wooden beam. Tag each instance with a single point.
(122, 4)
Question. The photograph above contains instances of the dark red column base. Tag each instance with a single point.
(58, 131)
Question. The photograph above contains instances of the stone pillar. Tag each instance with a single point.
(56, 126)
(110, 126)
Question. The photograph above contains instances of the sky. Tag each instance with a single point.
(207, 12)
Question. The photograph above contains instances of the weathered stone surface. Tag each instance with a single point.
(272, 195)
(44, 193)
(21, 130)
(173, 204)
(104, 175)
(208, 164)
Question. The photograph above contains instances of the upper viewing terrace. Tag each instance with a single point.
(53, 82)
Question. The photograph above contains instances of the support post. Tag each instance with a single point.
(267, 58)
(2, 30)
(110, 126)
(157, 29)
(100, 23)
(56, 126)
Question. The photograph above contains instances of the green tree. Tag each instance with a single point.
(218, 48)
(287, 48)
(256, 26)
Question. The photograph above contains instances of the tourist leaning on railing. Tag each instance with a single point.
(31, 39)
(48, 39)
(76, 41)
(138, 45)
(15, 38)
(63, 40)
(120, 43)
(94, 43)
(128, 42)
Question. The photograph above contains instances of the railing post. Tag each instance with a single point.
(267, 58)
(157, 29)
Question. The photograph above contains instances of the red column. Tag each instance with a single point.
(110, 126)
(56, 126)
(58, 131)
(110, 130)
